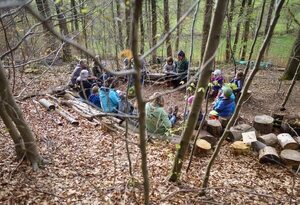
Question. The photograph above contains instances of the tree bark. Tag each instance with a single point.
(206, 25)
(246, 30)
(67, 55)
(206, 69)
(228, 34)
(16, 115)
(13, 131)
(269, 17)
(240, 101)
(179, 3)
(167, 27)
(141, 103)
(293, 61)
(75, 24)
(238, 27)
(142, 29)
(127, 19)
(120, 33)
(154, 29)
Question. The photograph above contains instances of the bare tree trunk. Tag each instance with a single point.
(293, 61)
(206, 69)
(238, 27)
(127, 19)
(83, 24)
(75, 24)
(243, 94)
(269, 17)
(142, 48)
(141, 104)
(67, 55)
(16, 115)
(167, 27)
(13, 131)
(246, 31)
(154, 28)
(115, 34)
(206, 25)
(228, 34)
(44, 9)
(120, 33)
(179, 3)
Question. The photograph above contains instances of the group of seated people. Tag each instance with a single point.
(96, 87)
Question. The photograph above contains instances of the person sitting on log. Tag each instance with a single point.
(237, 83)
(181, 68)
(109, 99)
(157, 119)
(216, 83)
(124, 105)
(84, 85)
(186, 115)
(224, 106)
(94, 97)
(169, 67)
(82, 65)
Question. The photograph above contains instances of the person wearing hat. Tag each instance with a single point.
(216, 83)
(84, 84)
(224, 105)
(181, 68)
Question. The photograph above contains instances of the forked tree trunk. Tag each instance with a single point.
(246, 30)
(154, 28)
(167, 27)
(293, 61)
(62, 23)
(206, 25)
(13, 131)
(179, 4)
(238, 27)
(17, 118)
(141, 103)
(206, 69)
(241, 99)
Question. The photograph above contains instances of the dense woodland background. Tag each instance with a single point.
(42, 40)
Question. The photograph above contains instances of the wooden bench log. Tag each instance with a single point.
(202, 147)
(268, 154)
(269, 139)
(208, 137)
(290, 157)
(286, 141)
(47, 104)
(263, 124)
(239, 147)
(214, 127)
(257, 145)
(236, 131)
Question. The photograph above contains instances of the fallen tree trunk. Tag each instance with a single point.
(48, 105)
(65, 114)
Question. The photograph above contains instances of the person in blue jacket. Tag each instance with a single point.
(109, 99)
(94, 97)
(224, 105)
(237, 83)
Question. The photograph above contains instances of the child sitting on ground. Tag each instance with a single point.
(109, 99)
(94, 97)
(216, 82)
(84, 84)
(224, 106)
(237, 83)
(169, 67)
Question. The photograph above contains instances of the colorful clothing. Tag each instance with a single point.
(225, 106)
(239, 85)
(95, 99)
(109, 99)
(157, 120)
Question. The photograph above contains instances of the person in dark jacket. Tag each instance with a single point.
(84, 84)
(237, 83)
(181, 68)
(224, 105)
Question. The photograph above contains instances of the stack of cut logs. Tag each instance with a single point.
(258, 137)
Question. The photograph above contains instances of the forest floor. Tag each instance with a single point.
(90, 166)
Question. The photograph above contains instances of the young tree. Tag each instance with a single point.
(74, 22)
(238, 27)
(120, 32)
(154, 28)
(293, 60)
(167, 27)
(269, 16)
(228, 34)
(142, 30)
(206, 25)
(179, 3)
(246, 30)
(127, 20)
(206, 69)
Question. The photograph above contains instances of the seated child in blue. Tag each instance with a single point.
(224, 105)
(94, 97)
(109, 99)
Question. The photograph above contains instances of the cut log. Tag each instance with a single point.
(224, 121)
(65, 114)
(208, 137)
(269, 139)
(202, 147)
(214, 127)
(263, 124)
(239, 147)
(257, 145)
(47, 104)
(297, 139)
(290, 157)
(236, 131)
(249, 137)
(286, 141)
(268, 154)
